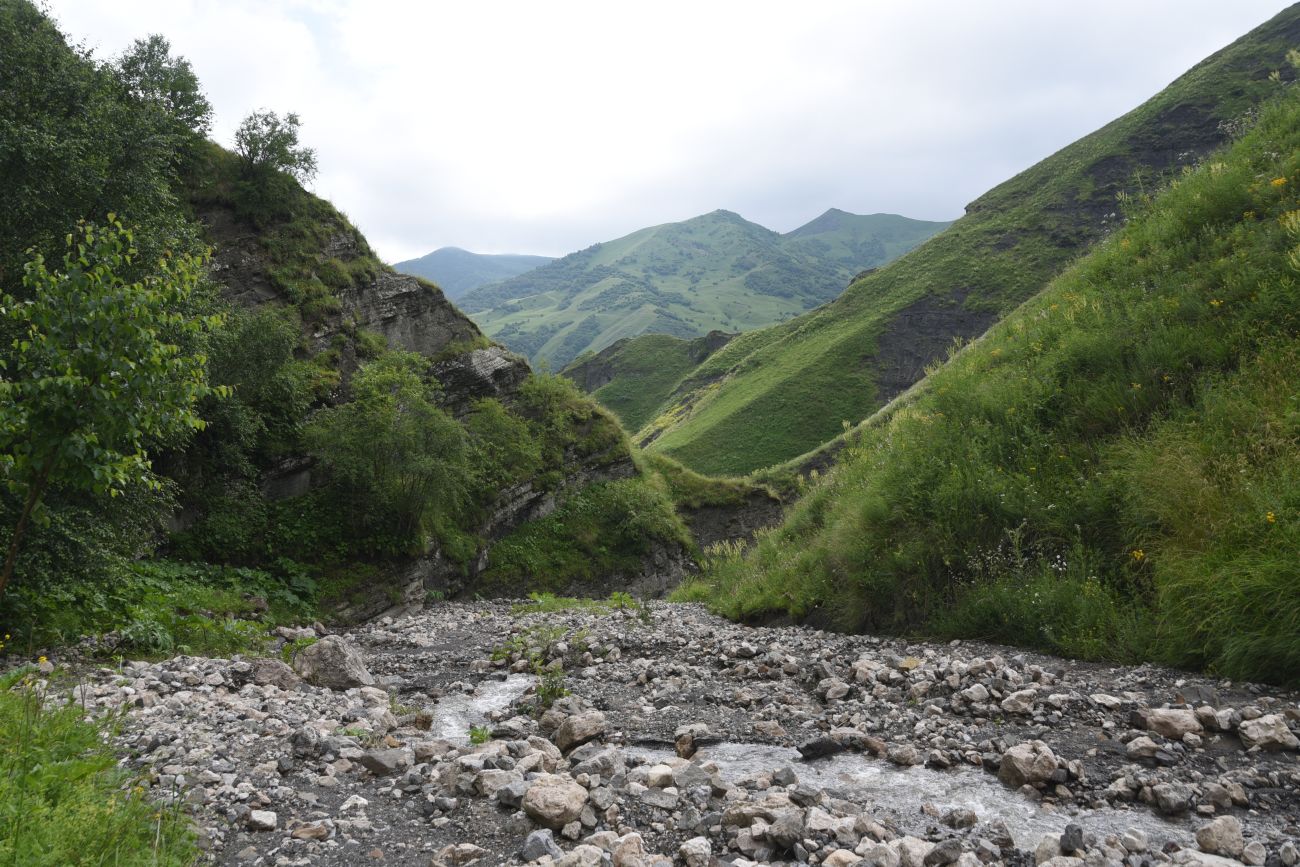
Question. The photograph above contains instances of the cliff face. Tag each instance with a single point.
(410, 314)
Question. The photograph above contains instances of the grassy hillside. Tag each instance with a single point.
(780, 392)
(634, 376)
(1112, 472)
(458, 271)
(714, 272)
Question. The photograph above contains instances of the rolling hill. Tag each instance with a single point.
(458, 271)
(717, 271)
(771, 395)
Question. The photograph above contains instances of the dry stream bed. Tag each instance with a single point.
(686, 739)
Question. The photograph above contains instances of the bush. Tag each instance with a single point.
(63, 798)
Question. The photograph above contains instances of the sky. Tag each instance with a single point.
(518, 126)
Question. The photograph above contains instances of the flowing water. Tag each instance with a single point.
(455, 714)
(888, 790)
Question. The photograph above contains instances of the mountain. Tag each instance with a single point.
(458, 271)
(713, 272)
(1111, 472)
(774, 394)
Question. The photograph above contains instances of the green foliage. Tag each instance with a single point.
(692, 490)
(546, 603)
(1111, 472)
(78, 142)
(479, 735)
(163, 607)
(289, 652)
(269, 143)
(774, 394)
(97, 373)
(165, 84)
(716, 271)
(396, 456)
(63, 798)
(599, 531)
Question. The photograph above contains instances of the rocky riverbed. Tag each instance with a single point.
(685, 739)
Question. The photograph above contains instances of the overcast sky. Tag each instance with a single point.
(543, 127)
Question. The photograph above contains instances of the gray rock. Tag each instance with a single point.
(334, 663)
(382, 763)
(272, 672)
(1172, 799)
(945, 853)
(1072, 839)
(540, 843)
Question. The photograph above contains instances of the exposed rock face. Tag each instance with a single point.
(332, 662)
(710, 524)
(490, 372)
(411, 314)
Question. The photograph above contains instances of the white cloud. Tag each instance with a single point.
(518, 126)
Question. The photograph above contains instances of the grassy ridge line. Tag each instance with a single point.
(1111, 472)
(783, 391)
(716, 271)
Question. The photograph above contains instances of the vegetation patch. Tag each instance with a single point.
(63, 797)
(1110, 473)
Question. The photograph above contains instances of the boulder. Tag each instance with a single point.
(332, 662)
(1020, 702)
(578, 729)
(383, 763)
(1268, 732)
(1173, 723)
(696, 852)
(554, 802)
(539, 843)
(1027, 763)
(272, 672)
(1222, 837)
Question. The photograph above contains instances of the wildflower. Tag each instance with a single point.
(1271, 518)
(1139, 555)
(1137, 386)
(1215, 302)
(1278, 182)
(42, 660)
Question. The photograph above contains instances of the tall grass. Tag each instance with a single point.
(1111, 472)
(63, 799)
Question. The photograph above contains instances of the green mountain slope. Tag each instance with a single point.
(458, 271)
(775, 394)
(1111, 472)
(634, 376)
(713, 272)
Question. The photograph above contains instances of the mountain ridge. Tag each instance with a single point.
(456, 270)
(715, 271)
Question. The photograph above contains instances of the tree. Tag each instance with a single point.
(268, 143)
(96, 373)
(155, 78)
(400, 458)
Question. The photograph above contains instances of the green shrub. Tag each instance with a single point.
(63, 798)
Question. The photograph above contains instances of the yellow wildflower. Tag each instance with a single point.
(1139, 555)
(1271, 518)
(1215, 302)
(41, 659)
(1278, 182)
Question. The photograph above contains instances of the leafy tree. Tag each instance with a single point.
(398, 455)
(96, 375)
(74, 145)
(268, 143)
(152, 76)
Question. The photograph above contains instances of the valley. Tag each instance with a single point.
(879, 542)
